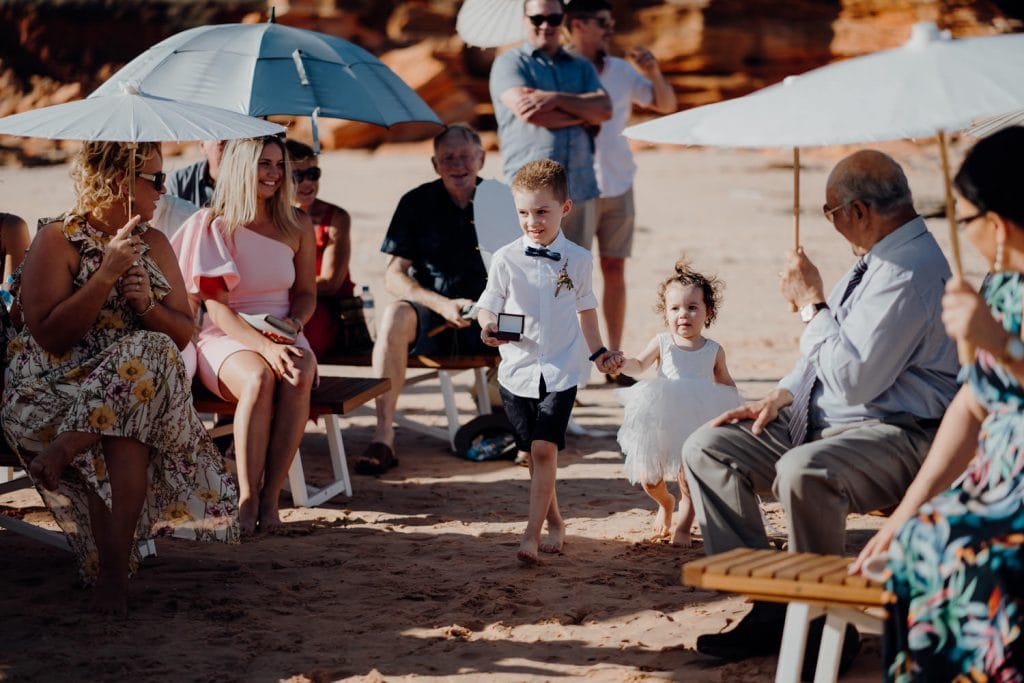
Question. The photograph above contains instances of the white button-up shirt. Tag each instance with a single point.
(552, 344)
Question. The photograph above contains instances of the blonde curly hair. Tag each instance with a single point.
(95, 169)
(685, 276)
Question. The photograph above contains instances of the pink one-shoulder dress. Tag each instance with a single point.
(257, 270)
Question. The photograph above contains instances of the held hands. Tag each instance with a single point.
(123, 249)
(610, 362)
(966, 316)
(800, 280)
(135, 287)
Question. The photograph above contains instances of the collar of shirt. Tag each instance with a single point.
(915, 227)
(560, 55)
(557, 244)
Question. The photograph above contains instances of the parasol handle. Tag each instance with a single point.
(964, 349)
(796, 209)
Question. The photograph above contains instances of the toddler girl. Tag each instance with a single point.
(692, 386)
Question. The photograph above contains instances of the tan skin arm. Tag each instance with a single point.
(664, 96)
(335, 262)
(303, 293)
(402, 286)
(606, 362)
(721, 372)
(550, 109)
(14, 241)
(172, 315)
(58, 315)
(648, 357)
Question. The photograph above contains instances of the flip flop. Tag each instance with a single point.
(378, 458)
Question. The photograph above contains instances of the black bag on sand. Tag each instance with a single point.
(486, 437)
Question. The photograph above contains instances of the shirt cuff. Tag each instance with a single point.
(492, 302)
(586, 303)
(822, 326)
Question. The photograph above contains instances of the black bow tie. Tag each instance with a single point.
(543, 252)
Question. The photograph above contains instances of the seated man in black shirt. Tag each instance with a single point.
(435, 271)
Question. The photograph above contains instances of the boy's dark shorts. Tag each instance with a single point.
(450, 341)
(544, 418)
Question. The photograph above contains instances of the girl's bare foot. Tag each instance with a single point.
(556, 538)
(270, 518)
(247, 517)
(663, 518)
(528, 553)
(681, 537)
(47, 467)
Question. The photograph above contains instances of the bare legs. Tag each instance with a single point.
(680, 535)
(269, 422)
(543, 505)
(391, 359)
(613, 298)
(114, 529)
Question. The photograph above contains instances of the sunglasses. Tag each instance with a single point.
(538, 20)
(604, 22)
(309, 174)
(156, 178)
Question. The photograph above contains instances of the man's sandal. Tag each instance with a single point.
(378, 458)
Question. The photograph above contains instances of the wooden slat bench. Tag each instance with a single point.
(333, 397)
(812, 585)
(441, 367)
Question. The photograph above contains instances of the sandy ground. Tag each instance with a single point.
(414, 577)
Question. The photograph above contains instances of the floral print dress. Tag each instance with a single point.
(124, 381)
(958, 567)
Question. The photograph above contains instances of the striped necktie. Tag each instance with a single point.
(802, 398)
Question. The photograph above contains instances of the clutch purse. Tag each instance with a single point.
(271, 325)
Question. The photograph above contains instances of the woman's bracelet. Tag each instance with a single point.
(150, 307)
(297, 321)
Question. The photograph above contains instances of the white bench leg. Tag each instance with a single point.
(450, 409)
(832, 637)
(483, 395)
(297, 482)
(309, 496)
(338, 460)
(794, 641)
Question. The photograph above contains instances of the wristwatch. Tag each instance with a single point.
(808, 312)
(1013, 350)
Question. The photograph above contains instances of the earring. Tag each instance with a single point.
(999, 265)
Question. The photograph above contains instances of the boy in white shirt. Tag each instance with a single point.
(545, 278)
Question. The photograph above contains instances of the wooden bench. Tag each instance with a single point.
(812, 585)
(441, 368)
(333, 397)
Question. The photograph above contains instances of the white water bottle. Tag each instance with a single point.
(367, 298)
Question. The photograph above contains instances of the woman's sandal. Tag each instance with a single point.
(378, 458)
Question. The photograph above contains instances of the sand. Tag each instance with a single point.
(414, 576)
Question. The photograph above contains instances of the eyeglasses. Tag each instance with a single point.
(156, 178)
(312, 173)
(967, 220)
(538, 20)
(830, 214)
(457, 159)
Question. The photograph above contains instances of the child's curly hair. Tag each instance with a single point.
(684, 275)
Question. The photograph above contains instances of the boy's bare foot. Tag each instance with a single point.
(47, 467)
(556, 538)
(528, 553)
(247, 517)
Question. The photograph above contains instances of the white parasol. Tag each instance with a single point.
(490, 23)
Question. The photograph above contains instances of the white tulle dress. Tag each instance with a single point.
(662, 411)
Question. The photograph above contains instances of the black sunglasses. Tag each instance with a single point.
(551, 19)
(156, 178)
(309, 174)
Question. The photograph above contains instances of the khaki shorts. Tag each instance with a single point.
(615, 220)
(580, 224)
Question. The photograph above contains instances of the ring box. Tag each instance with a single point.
(510, 326)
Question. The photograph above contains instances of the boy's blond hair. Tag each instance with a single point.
(543, 174)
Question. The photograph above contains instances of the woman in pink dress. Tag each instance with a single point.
(251, 252)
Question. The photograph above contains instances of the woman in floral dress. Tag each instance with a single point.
(956, 555)
(97, 403)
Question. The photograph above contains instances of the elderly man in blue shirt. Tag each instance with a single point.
(549, 104)
(848, 428)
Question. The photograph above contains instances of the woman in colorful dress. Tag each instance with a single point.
(97, 403)
(252, 253)
(956, 543)
(333, 251)
(14, 241)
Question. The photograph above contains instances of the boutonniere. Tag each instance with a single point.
(563, 279)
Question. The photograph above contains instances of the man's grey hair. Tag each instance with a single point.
(459, 130)
(882, 185)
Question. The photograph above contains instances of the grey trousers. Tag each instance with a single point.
(857, 468)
